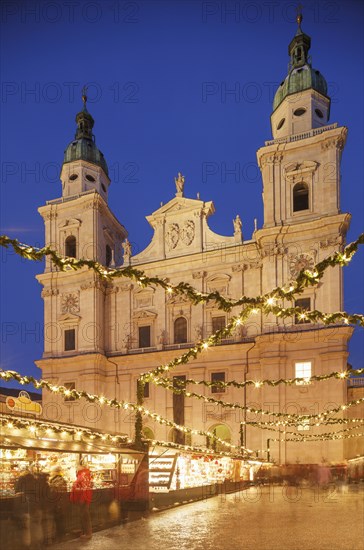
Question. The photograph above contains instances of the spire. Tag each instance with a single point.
(83, 146)
(299, 45)
(84, 120)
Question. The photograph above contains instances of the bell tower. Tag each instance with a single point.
(301, 164)
(79, 224)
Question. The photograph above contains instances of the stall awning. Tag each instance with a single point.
(52, 444)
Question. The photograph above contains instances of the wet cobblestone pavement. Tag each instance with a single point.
(269, 518)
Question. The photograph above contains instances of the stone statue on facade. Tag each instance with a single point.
(237, 225)
(163, 337)
(180, 182)
(127, 251)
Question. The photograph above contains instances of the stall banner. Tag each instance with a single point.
(23, 404)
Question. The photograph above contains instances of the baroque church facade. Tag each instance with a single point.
(100, 336)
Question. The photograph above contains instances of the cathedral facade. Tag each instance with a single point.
(101, 336)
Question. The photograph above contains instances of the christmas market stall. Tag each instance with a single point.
(46, 450)
(181, 476)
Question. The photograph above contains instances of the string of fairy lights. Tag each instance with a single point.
(34, 426)
(179, 384)
(102, 400)
(267, 304)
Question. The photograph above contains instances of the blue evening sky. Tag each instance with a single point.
(174, 86)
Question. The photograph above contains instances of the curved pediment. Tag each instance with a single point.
(180, 228)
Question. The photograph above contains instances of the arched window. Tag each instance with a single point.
(300, 197)
(148, 432)
(222, 432)
(70, 246)
(180, 330)
(108, 255)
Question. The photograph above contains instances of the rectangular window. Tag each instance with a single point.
(303, 370)
(217, 377)
(218, 323)
(69, 339)
(146, 390)
(144, 337)
(304, 303)
(69, 386)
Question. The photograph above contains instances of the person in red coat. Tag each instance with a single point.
(81, 495)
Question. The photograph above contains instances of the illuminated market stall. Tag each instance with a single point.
(182, 476)
(119, 473)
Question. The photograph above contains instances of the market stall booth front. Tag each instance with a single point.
(181, 476)
(43, 449)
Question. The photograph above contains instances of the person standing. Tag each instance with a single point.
(58, 487)
(81, 495)
(28, 487)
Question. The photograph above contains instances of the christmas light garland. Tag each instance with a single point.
(226, 404)
(284, 423)
(33, 425)
(177, 384)
(265, 303)
(305, 277)
(194, 449)
(319, 438)
(102, 400)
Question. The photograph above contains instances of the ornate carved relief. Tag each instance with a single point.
(185, 234)
(172, 235)
(144, 315)
(331, 241)
(198, 274)
(254, 265)
(101, 285)
(70, 303)
(188, 232)
(239, 267)
(51, 216)
(329, 143)
(46, 292)
(297, 263)
(110, 289)
(95, 203)
(124, 287)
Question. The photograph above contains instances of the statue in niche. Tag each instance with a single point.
(180, 182)
(237, 225)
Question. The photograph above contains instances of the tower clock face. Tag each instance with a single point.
(302, 261)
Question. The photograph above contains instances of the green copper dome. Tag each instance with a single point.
(301, 76)
(83, 147)
(300, 79)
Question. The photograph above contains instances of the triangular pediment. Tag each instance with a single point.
(144, 314)
(69, 319)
